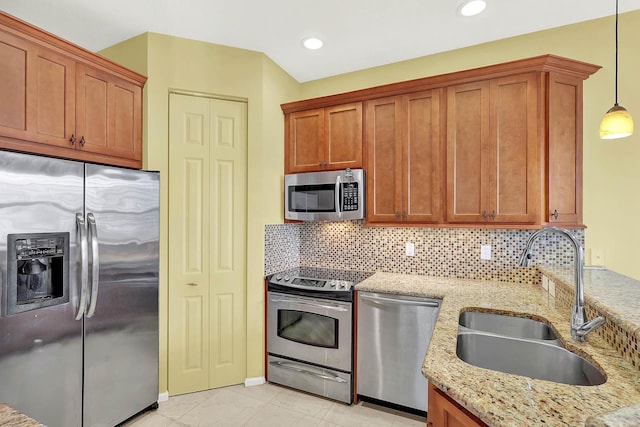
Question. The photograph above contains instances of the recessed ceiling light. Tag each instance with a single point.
(471, 7)
(312, 43)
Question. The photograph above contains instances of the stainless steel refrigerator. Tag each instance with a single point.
(79, 252)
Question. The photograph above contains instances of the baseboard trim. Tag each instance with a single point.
(250, 382)
(163, 397)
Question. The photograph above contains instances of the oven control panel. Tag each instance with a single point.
(319, 285)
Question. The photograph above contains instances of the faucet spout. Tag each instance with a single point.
(579, 326)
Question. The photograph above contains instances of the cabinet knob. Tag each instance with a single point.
(484, 215)
(555, 214)
(325, 163)
(82, 141)
(493, 215)
(72, 140)
(397, 214)
(319, 162)
(404, 214)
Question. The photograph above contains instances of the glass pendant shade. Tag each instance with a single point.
(617, 123)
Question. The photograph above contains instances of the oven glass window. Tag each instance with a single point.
(312, 198)
(308, 328)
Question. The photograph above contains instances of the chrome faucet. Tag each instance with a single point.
(579, 326)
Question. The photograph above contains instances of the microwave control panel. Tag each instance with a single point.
(350, 196)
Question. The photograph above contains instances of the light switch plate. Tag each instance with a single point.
(485, 252)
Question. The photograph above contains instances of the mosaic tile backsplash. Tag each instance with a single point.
(445, 252)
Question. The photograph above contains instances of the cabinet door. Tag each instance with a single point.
(422, 146)
(384, 159)
(443, 412)
(109, 112)
(305, 149)
(513, 159)
(38, 91)
(564, 151)
(468, 152)
(343, 137)
(14, 54)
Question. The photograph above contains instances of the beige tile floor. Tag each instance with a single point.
(265, 406)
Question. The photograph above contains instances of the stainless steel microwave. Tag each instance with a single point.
(325, 196)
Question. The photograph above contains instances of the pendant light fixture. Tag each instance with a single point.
(617, 123)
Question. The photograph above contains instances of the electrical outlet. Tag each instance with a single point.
(410, 249)
(597, 257)
(485, 252)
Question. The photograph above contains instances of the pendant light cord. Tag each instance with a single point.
(616, 53)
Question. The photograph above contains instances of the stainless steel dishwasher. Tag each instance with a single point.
(393, 335)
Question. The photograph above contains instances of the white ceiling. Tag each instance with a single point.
(358, 34)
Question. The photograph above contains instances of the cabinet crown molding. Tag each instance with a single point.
(35, 34)
(542, 63)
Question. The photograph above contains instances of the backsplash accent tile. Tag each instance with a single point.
(620, 330)
(445, 252)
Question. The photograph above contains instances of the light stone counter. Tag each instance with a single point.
(9, 417)
(501, 399)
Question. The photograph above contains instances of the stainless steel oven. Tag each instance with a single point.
(310, 330)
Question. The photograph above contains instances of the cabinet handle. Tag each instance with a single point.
(319, 162)
(192, 284)
(555, 214)
(325, 163)
(493, 215)
(397, 214)
(484, 215)
(82, 141)
(72, 140)
(404, 214)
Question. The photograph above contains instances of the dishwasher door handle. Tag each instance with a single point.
(395, 301)
(290, 367)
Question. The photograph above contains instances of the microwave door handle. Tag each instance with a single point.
(84, 265)
(337, 197)
(311, 304)
(95, 264)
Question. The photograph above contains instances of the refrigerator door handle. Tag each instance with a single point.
(95, 263)
(84, 265)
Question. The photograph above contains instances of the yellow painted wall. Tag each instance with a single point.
(611, 168)
(176, 63)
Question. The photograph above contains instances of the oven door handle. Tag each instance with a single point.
(285, 365)
(312, 304)
(382, 300)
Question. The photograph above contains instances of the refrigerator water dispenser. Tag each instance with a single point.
(37, 271)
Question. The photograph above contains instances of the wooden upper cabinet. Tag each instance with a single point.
(404, 158)
(564, 151)
(61, 100)
(468, 152)
(324, 139)
(109, 119)
(384, 160)
(492, 151)
(496, 146)
(38, 92)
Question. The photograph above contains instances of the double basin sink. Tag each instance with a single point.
(521, 346)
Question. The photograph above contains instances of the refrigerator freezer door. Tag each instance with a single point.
(121, 325)
(41, 349)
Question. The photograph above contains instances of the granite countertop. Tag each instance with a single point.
(501, 399)
(9, 417)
